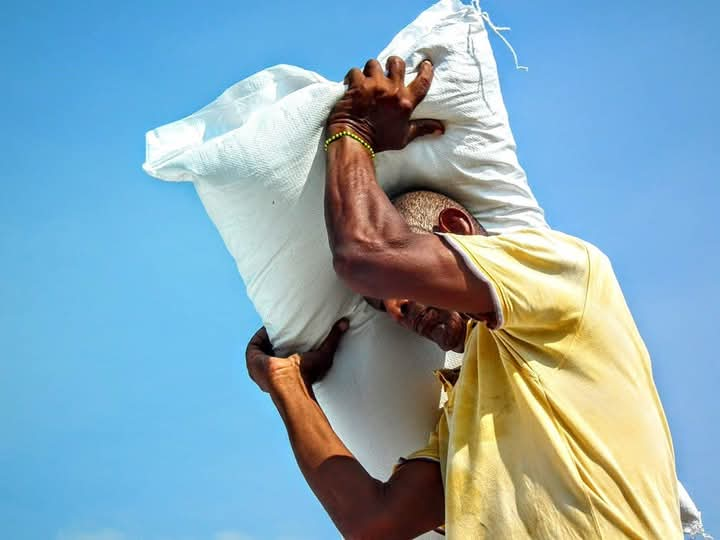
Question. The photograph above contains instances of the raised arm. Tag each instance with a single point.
(374, 251)
(409, 503)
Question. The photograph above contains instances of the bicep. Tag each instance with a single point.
(414, 500)
(421, 267)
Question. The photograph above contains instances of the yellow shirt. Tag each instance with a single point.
(554, 428)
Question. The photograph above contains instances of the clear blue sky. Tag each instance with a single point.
(125, 410)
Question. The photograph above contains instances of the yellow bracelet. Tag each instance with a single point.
(352, 136)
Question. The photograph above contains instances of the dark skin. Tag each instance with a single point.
(379, 257)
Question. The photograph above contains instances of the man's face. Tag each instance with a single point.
(445, 328)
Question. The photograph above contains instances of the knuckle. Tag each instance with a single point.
(405, 104)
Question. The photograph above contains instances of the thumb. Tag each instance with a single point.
(331, 342)
(425, 126)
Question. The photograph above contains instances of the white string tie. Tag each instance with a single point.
(498, 31)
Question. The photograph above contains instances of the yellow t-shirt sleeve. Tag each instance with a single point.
(430, 452)
(537, 277)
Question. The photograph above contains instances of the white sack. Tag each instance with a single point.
(255, 157)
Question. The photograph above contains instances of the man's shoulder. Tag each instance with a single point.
(559, 242)
(540, 249)
(600, 273)
(539, 243)
(540, 235)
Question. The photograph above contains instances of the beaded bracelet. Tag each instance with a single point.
(352, 136)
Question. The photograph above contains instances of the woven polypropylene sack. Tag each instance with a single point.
(256, 160)
(255, 157)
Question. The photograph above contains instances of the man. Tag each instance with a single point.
(554, 428)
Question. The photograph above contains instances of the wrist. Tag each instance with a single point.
(283, 371)
(358, 127)
(348, 146)
(286, 380)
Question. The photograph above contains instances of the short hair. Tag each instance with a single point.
(421, 209)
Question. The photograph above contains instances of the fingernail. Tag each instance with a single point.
(343, 325)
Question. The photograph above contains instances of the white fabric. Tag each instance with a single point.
(256, 160)
(255, 157)
(690, 515)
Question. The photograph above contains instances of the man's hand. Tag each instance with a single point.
(268, 370)
(377, 105)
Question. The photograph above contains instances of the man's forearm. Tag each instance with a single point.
(377, 107)
(358, 213)
(349, 494)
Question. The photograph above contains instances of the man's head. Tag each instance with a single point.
(429, 212)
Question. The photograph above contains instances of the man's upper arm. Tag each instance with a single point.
(413, 502)
(525, 278)
(421, 267)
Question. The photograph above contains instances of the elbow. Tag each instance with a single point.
(345, 264)
(356, 266)
(376, 526)
(363, 516)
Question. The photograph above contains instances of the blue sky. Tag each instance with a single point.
(125, 410)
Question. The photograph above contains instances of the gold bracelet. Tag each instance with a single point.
(350, 134)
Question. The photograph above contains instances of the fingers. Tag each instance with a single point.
(260, 337)
(259, 345)
(373, 69)
(330, 345)
(255, 356)
(395, 67)
(354, 77)
(426, 126)
(420, 86)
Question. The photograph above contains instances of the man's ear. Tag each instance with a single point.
(455, 221)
